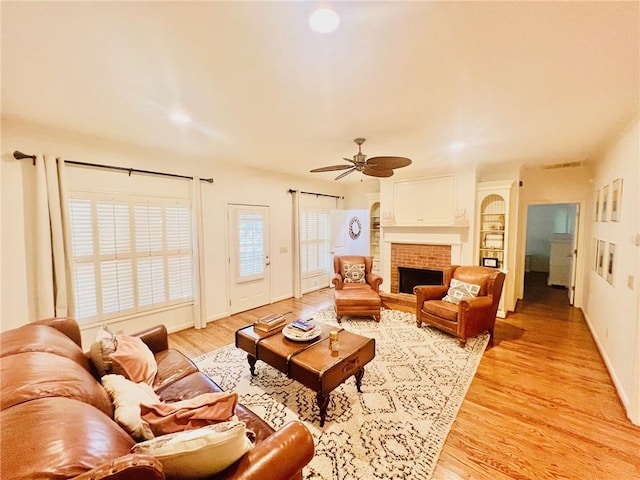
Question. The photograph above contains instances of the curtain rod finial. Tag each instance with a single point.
(18, 155)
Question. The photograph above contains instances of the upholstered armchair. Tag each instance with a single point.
(356, 287)
(461, 313)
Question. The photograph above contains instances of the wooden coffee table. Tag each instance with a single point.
(311, 363)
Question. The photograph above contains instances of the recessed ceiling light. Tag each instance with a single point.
(180, 117)
(457, 146)
(324, 20)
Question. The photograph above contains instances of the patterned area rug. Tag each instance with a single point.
(411, 393)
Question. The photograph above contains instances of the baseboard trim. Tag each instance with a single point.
(614, 378)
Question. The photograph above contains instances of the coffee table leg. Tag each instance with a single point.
(359, 374)
(252, 364)
(323, 402)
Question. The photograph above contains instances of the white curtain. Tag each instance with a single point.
(51, 223)
(297, 282)
(199, 297)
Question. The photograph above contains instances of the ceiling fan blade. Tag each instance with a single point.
(387, 163)
(345, 173)
(348, 160)
(331, 168)
(377, 172)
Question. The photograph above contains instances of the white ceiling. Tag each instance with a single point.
(533, 82)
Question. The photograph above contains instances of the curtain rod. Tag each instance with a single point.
(291, 190)
(20, 156)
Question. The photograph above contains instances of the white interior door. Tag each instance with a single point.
(574, 257)
(338, 224)
(249, 261)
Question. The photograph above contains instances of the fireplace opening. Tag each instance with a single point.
(410, 277)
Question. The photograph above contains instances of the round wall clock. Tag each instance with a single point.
(355, 228)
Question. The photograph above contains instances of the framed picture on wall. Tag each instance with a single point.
(601, 257)
(604, 211)
(490, 262)
(612, 262)
(597, 217)
(616, 199)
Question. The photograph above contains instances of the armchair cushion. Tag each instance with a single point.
(442, 309)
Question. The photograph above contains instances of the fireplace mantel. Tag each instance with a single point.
(447, 227)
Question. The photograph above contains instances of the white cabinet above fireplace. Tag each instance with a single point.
(424, 202)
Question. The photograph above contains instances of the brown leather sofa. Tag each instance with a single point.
(357, 299)
(469, 317)
(57, 420)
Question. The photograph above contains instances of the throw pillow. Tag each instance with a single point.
(126, 397)
(189, 414)
(198, 453)
(101, 350)
(353, 273)
(134, 360)
(460, 291)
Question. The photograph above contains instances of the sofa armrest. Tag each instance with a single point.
(280, 456)
(156, 338)
(337, 281)
(127, 467)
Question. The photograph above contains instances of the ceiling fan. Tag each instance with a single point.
(374, 167)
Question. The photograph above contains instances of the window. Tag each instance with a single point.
(250, 246)
(129, 254)
(314, 241)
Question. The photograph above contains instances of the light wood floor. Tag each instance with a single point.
(541, 406)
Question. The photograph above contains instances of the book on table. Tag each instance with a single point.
(303, 325)
(264, 328)
(270, 322)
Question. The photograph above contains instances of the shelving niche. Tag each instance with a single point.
(496, 205)
(492, 230)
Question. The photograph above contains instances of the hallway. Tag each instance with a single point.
(536, 290)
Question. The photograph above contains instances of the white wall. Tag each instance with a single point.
(232, 184)
(612, 311)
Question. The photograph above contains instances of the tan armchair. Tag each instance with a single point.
(357, 289)
(469, 317)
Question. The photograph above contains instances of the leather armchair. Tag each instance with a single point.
(360, 299)
(469, 317)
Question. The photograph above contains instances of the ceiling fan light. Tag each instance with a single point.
(324, 20)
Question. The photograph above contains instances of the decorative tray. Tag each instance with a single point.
(297, 335)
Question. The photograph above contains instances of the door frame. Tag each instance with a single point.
(578, 241)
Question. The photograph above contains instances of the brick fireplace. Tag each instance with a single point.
(433, 257)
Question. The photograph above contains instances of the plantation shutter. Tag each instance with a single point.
(251, 246)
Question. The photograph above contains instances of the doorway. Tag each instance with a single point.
(551, 253)
(249, 261)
